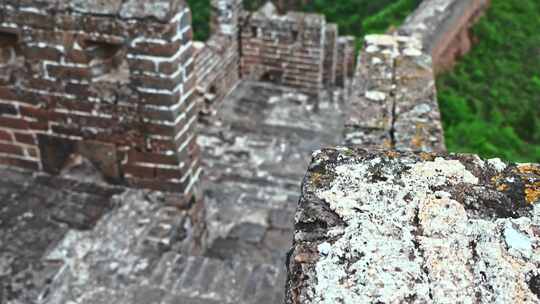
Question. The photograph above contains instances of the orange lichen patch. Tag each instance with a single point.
(532, 193)
(392, 154)
(417, 141)
(495, 179)
(316, 178)
(502, 187)
(305, 257)
(427, 156)
(529, 169)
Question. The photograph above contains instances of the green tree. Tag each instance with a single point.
(490, 100)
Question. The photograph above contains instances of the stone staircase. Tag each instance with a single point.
(199, 279)
(141, 252)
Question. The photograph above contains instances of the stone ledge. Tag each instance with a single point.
(389, 227)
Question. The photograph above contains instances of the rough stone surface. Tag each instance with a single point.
(143, 247)
(404, 232)
(390, 227)
(394, 102)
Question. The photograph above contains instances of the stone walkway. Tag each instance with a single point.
(255, 154)
(73, 239)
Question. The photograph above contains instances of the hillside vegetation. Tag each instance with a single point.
(200, 14)
(361, 17)
(490, 102)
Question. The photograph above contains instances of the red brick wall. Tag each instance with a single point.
(124, 84)
(345, 60)
(330, 54)
(287, 49)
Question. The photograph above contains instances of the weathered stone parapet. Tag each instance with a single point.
(217, 61)
(330, 54)
(394, 103)
(443, 27)
(389, 227)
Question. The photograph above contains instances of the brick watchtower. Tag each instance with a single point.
(109, 80)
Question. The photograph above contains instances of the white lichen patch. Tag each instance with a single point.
(497, 164)
(440, 216)
(443, 172)
(375, 95)
(519, 243)
(412, 52)
(384, 40)
(378, 237)
(403, 241)
(372, 49)
(376, 61)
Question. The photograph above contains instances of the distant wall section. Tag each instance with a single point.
(394, 102)
(443, 26)
(286, 49)
(296, 49)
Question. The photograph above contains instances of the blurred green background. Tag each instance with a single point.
(490, 101)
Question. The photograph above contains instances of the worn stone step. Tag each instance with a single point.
(199, 279)
(167, 271)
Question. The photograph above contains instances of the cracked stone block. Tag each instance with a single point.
(394, 101)
(391, 227)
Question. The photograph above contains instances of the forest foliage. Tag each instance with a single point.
(361, 17)
(490, 102)
(200, 14)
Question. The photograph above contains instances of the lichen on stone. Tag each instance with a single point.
(408, 237)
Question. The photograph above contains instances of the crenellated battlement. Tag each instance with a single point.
(111, 81)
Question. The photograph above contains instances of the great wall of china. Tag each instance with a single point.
(101, 98)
